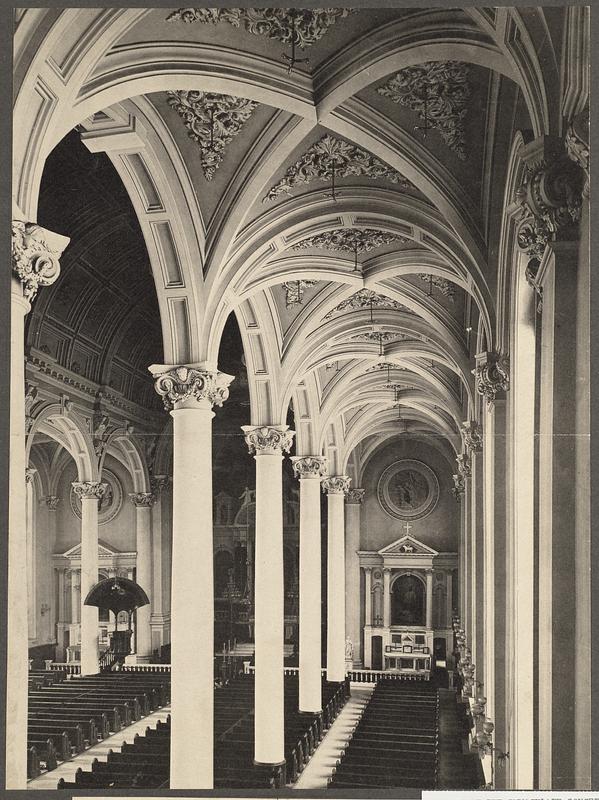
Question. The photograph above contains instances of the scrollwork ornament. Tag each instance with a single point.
(268, 439)
(336, 484)
(294, 291)
(309, 466)
(89, 490)
(492, 376)
(35, 254)
(365, 299)
(179, 385)
(350, 240)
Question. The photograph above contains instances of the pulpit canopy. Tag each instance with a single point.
(117, 594)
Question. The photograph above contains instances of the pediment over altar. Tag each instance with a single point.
(407, 545)
(108, 556)
(407, 551)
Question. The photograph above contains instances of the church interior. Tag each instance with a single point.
(299, 401)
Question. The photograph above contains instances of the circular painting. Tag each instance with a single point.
(109, 505)
(408, 489)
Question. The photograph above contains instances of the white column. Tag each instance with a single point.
(353, 503)
(367, 595)
(336, 487)
(449, 595)
(143, 502)
(61, 597)
(74, 598)
(309, 470)
(31, 555)
(189, 392)
(268, 442)
(386, 598)
(90, 493)
(35, 254)
(160, 587)
(429, 598)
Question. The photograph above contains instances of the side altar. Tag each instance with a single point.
(408, 601)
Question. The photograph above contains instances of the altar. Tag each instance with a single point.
(408, 601)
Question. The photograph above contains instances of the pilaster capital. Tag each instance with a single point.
(309, 466)
(492, 375)
(35, 254)
(355, 496)
(368, 569)
(29, 474)
(464, 465)
(142, 499)
(336, 484)
(473, 436)
(459, 486)
(52, 501)
(89, 490)
(387, 572)
(268, 439)
(159, 484)
(186, 386)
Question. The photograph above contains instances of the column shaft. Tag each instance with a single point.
(368, 596)
(386, 598)
(89, 577)
(310, 600)
(352, 571)
(143, 512)
(336, 587)
(429, 598)
(449, 603)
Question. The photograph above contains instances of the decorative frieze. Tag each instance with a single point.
(366, 299)
(473, 436)
(52, 501)
(331, 158)
(35, 254)
(268, 439)
(212, 121)
(309, 466)
(459, 486)
(355, 496)
(447, 288)
(89, 490)
(142, 499)
(439, 92)
(337, 484)
(492, 375)
(183, 385)
(350, 240)
(294, 291)
(299, 26)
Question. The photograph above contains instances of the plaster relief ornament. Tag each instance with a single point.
(464, 465)
(446, 287)
(212, 120)
(459, 486)
(376, 336)
(350, 240)
(492, 375)
(329, 159)
(366, 299)
(177, 385)
(35, 254)
(268, 438)
(337, 484)
(473, 436)
(439, 92)
(294, 292)
(309, 466)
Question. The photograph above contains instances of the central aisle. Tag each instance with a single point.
(328, 752)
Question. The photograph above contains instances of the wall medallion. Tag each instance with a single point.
(109, 505)
(408, 489)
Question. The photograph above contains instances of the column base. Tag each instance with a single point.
(279, 769)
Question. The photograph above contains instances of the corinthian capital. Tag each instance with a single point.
(473, 436)
(52, 501)
(337, 484)
(142, 499)
(491, 375)
(309, 466)
(35, 254)
(355, 496)
(268, 439)
(185, 386)
(89, 490)
(159, 484)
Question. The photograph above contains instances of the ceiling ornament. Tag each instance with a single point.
(330, 158)
(446, 287)
(375, 336)
(385, 365)
(294, 291)
(439, 92)
(367, 299)
(350, 240)
(212, 121)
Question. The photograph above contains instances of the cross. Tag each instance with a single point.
(408, 527)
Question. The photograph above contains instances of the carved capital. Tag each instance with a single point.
(337, 484)
(464, 465)
(142, 499)
(268, 439)
(577, 145)
(35, 254)
(491, 375)
(29, 474)
(355, 496)
(89, 490)
(159, 484)
(309, 466)
(185, 386)
(459, 486)
(52, 501)
(473, 436)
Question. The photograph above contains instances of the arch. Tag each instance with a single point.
(68, 429)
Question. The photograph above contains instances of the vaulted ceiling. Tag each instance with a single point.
(336, 179)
